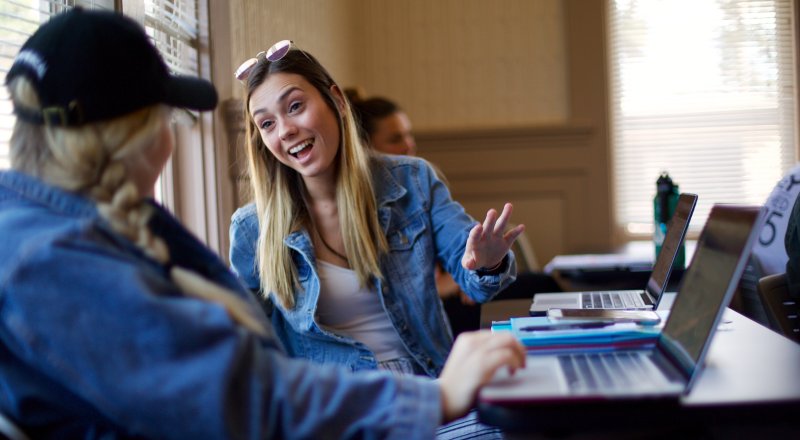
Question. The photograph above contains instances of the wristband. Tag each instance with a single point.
(492, 270)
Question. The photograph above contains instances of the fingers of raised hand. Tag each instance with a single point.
(469, 260)
(489, 222)
(512, 234)
(502, 221)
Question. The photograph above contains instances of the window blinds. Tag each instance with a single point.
(18, 20)
(705, 91)
(173, 25)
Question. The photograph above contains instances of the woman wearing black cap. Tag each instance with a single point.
(114, 320)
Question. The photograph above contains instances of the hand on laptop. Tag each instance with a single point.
(472, 362)
(488, 242)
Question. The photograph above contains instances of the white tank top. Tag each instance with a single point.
(350, 310)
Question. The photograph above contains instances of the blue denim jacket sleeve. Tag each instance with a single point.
(451, 226)
(243, 234)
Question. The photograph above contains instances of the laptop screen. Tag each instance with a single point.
(676, 231)
(709, 283)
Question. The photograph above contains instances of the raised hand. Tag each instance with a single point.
(488, 242)
(472, 362)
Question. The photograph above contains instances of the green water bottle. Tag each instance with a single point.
(664, 204)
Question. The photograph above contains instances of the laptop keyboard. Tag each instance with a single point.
(612, 300)
(603, 371)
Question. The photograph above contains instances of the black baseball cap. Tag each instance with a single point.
(89, 66)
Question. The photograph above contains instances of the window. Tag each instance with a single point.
(188, 185)
(704, 90)
(173, 26)
(18, 20)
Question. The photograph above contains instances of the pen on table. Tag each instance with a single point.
(581, 325)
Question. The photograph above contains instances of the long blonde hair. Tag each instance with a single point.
(279, 190)
(90, 160)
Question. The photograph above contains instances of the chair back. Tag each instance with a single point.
(782, 310)
(747, 300)
(523, 251)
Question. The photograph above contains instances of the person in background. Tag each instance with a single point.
(115, 322)
(383, 124)
(769, 255)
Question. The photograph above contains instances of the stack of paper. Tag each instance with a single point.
(539, 333)
(599, 262)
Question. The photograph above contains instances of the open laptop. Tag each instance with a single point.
(629, 299)
(668, 369)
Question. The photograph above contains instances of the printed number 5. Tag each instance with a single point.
(769, 225)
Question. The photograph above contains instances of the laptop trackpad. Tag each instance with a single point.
(541, 376)
(570, 300)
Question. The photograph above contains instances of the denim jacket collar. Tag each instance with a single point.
(392, 189)
(185, 250)
(55, 198)
(389, 190)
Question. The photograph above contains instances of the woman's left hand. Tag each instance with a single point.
(489, 242)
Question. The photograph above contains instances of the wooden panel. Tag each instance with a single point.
(237, 162)
(449, 63)
(465, 63)
(548, 173)
(324, 28)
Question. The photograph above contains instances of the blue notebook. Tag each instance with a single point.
(540, 333)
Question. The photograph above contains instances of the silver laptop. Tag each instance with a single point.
(668, 369)
(629, 299)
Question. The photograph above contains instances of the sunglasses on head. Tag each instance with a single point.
(274, 53)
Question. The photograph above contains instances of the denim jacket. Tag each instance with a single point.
(422, 225)
(97, 342)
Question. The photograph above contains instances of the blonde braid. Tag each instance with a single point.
(92, 160)
(118, 200)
